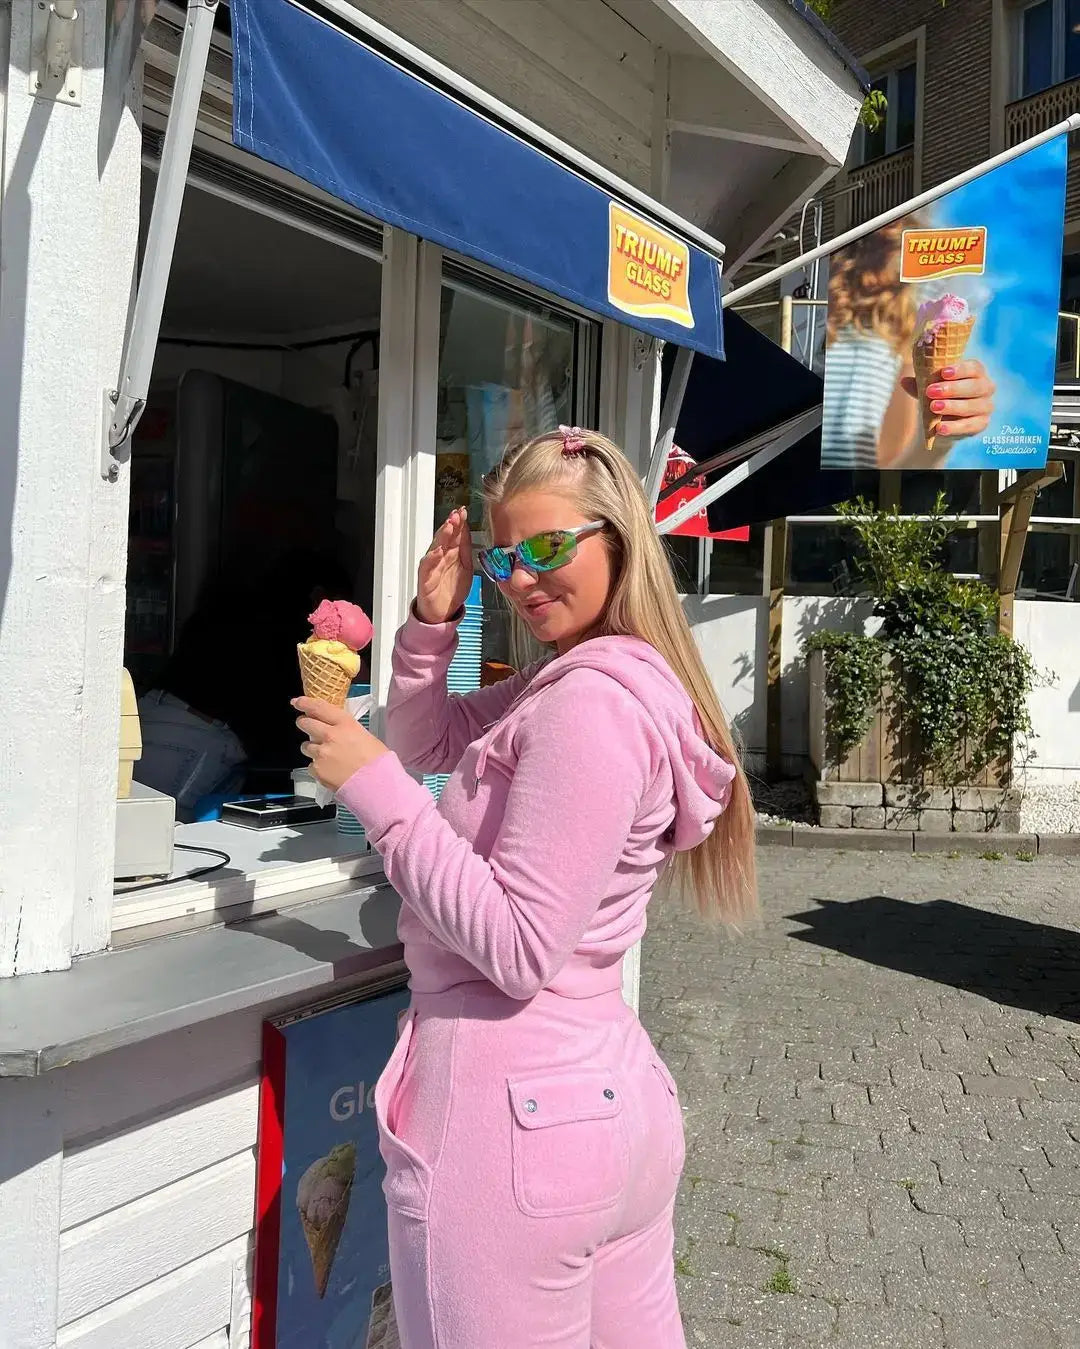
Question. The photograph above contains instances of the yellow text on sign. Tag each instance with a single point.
(934, 253)
(648, 269)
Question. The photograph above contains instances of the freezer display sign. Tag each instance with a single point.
(322, 1277)
(942, 333)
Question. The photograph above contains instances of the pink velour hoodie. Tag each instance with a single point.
(572, 783)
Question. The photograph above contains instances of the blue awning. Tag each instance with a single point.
(316, 100)
(759, 386)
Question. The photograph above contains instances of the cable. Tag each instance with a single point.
(197, 874)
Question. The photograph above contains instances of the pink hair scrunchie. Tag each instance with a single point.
(573, 440)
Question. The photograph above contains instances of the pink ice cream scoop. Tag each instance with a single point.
(340, 621)
(945, 309)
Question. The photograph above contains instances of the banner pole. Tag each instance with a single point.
(915, 203)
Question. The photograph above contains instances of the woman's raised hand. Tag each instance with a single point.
(446, 571)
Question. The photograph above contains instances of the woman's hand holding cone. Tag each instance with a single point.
(446, 571)
(963, 397)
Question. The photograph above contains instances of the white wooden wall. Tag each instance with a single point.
(573, 66)
(127, 1190)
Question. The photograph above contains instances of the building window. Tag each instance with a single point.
(897, 128)
(1048, 45)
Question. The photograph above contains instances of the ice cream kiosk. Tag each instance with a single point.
(360, 274)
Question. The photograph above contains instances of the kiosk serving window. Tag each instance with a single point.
(254, 478)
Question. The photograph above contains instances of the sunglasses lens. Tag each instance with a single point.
(545, 552)
(497, 563)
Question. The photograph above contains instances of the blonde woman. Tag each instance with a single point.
(532, 1136)
(870, 416)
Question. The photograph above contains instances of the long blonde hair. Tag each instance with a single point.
(644, 603)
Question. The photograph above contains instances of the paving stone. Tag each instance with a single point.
(876, 1082)
(859, 1327)
(1011, 1088)
(966, 1331)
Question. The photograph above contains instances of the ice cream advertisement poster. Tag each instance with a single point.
(321, 1262)
(941, 339)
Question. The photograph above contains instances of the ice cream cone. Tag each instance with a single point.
(932, 352)
(322, 677)
(322, 1240)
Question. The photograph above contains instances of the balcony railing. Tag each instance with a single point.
(1028, 116)
(881, 185)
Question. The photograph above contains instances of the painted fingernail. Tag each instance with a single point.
(949, 372)
(937, 406)
(935, 391)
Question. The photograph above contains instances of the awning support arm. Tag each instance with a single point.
(124, 404)
(923, 199)
(793, 432)
(669, 417)
(802, 423)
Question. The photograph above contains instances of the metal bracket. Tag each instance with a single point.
(646, 349)
(113, 456)
(56, 51)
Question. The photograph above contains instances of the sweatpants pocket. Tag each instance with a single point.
(677, 1152)
(407, 1184)
(569, 1142)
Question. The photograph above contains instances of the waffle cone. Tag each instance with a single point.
(929, 359)
(323, 678)
(322, 1241)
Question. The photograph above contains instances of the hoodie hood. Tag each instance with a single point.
(702, 778)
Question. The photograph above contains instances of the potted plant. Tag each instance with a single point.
(922, 723)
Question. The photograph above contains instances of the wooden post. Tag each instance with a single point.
(1016, 503)
(776, 554)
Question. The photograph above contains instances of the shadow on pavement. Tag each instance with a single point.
(1009, 960)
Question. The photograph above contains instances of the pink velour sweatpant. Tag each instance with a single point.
(533, 1150)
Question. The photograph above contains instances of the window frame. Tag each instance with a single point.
(891, 77)
(1058, 45)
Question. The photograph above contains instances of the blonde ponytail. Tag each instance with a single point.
(644, 603)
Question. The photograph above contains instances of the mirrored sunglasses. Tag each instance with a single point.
(547, 551)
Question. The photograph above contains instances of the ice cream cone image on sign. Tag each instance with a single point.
(943, 329)
(322, 1198)
(330, 658)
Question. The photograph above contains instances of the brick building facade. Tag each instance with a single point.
(982, 75)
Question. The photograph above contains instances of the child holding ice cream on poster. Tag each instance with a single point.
(899, 391)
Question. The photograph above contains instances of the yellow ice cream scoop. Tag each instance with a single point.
(338, 652)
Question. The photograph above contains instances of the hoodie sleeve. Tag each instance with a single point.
(426, 726)
(587, 754)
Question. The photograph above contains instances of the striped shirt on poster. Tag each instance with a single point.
(861, 372)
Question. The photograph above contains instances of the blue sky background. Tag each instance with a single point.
(1022, 205)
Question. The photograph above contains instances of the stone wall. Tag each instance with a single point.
(931, 810)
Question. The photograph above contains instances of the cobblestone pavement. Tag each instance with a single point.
(881, 1086)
